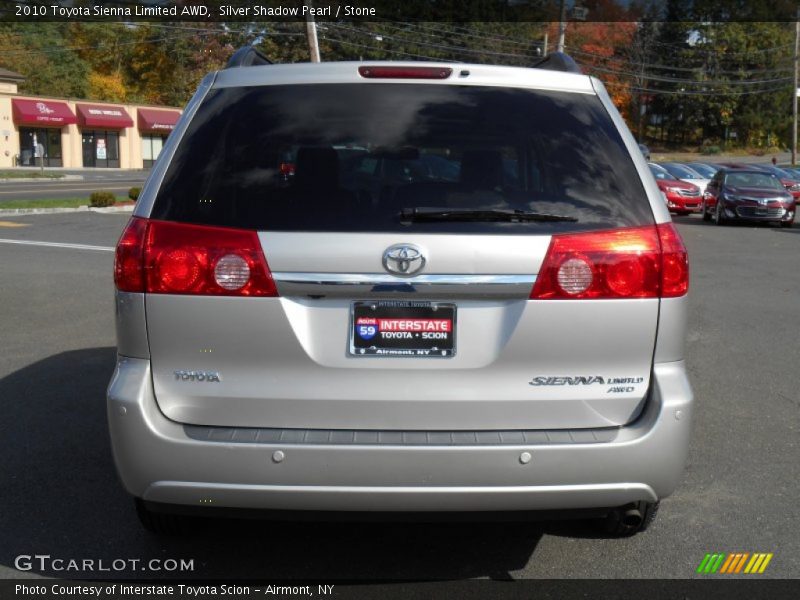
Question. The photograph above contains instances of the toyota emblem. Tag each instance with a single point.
(403, 260)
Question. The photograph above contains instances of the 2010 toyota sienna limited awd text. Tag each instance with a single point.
(401, 287)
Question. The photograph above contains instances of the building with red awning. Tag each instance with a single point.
(151, 119)
(49, 113)
(70, 133)
(103, 116)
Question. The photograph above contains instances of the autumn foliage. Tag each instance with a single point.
(598, 48)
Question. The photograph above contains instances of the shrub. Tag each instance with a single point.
(711, 150)
(133, 193)
(102, 199)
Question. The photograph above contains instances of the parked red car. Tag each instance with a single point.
(789, 181)
(748, 195)
(682, 197)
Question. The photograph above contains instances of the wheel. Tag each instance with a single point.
(162, 523)
(719, 214)
(706, 214)
(787, 224)
(631, 518)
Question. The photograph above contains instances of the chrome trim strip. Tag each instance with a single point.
(751, 212)
(335, 279)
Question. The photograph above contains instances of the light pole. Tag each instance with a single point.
(562, 26)
(311, 34)
(578, 13)
(794, 90)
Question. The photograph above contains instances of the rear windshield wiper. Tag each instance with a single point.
(425, 214)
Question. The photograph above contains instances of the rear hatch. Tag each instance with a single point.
(422, 211)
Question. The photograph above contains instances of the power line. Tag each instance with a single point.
(54, 50)
(468, 33)
(703, 58)
(380, 49)
(691, 92)
(431, 45)
(684, 81)
(523, 55)
(456, 50)
(645, 65)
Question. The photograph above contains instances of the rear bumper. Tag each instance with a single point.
(159, 462)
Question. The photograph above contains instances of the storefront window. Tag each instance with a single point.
(151, 148)
(49, 142)
(100, 148)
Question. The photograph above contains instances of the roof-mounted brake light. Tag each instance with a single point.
(405, 72)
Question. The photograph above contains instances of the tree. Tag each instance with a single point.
(109, 88)
(42, 53)
(641, 56)
(600, 47)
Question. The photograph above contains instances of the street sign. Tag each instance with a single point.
(579, 13)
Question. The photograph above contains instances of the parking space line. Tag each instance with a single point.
(13, 224)
(58, 245)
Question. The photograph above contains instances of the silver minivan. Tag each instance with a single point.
(409, 287)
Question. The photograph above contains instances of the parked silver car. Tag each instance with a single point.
(687, 174)
(498, 328)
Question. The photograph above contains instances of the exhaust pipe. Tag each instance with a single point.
(632, 517)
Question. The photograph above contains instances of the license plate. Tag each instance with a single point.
(403, 329)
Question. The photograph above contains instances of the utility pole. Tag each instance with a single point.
(311, 34)
(544, 48)
(794, 90)
(562, 27)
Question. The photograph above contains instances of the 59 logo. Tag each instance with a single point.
(366, 327)
(367, 332)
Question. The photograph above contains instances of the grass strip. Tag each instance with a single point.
(51, 202)
(30, 175)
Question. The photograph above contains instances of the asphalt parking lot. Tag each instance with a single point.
(60, 495)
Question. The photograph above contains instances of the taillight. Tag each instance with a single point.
(639, 262)
(160, 257)
(674, 262)
(129, 258)
(378, 72)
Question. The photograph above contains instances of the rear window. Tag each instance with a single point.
(350, 157)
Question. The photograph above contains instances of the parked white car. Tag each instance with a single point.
(687, 174)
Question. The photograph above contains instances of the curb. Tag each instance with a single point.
(41, 179)
(8, 212)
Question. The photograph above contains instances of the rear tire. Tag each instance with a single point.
(706, 214)
(162, 523)
(622, 522)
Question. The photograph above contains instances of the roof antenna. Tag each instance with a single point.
(248, 56)
(558, 61)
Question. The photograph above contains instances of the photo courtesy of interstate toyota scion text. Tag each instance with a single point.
(400, 287)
